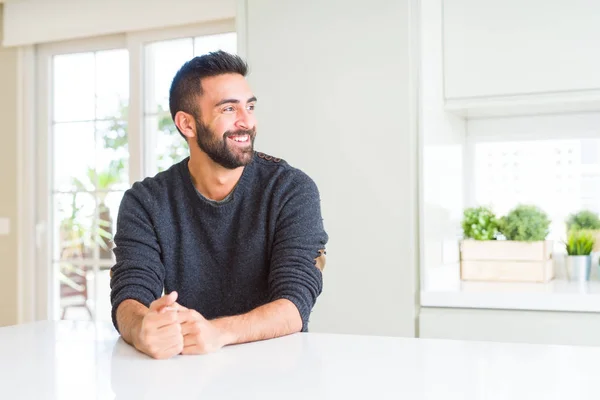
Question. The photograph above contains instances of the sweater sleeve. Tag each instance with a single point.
(138, 273)
(298, 242)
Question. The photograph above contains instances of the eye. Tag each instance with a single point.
(251, 107)
(228, 109)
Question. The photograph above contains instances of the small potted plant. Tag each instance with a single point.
(579, 247)
(525, 255)
(586, 220)
(525, 223)
(479, 223)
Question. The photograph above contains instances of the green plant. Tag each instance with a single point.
(479, 223)
(584, 219)
(525, 223)
(580, 243)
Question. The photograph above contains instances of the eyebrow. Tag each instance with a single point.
(236, 101)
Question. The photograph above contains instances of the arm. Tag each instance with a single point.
(138, 273)
(130, 315)
(299, 243)
(275, 319)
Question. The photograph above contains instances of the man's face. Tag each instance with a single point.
(226, 128)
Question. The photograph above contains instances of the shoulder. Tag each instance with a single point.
(267, 160)
(149, 191)
(288, 179)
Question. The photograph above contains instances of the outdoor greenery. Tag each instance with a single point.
(479, 223)
(77, 241)
(580, 243)
(527, 223)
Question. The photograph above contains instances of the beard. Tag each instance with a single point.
(222, 151)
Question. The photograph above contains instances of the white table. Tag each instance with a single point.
(69, 360)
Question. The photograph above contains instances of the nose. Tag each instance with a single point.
(245, 120)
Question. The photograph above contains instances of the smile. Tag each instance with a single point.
(240, 139)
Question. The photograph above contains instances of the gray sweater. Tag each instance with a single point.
(222, 258)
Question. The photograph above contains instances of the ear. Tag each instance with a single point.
(186, 124)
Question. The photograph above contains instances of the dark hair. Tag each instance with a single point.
(187, 86)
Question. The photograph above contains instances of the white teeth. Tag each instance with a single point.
(241, 138)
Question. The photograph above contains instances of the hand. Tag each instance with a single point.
(200, 336)
(160, 331)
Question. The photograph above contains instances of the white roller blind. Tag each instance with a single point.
(39, 21)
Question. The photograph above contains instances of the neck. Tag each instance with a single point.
(211, 179)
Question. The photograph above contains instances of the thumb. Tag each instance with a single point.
(165, 301)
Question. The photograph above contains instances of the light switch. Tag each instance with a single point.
(4, 226)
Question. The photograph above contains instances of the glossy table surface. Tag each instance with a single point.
(78, 360)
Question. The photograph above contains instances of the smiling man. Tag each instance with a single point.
(234, 237)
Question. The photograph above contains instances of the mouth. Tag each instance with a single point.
(239, 140)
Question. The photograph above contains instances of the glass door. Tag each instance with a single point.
(89, 159)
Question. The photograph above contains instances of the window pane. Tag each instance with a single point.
(162, 61)
(108, 210)
(73, 283)
(112, 83)
(224, 41)
(112, 155)
(73, 217)
(559, 176)
(74, 156)
(73, 87)
(90, 156)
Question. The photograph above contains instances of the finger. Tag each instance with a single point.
(190, 350)
(164, 301)
(184, 316)
(168, 341)
(180, 307)
(173, 329)
(174, 307)
(190, 340)
(189, 328)
(170, 351)
(158, 320)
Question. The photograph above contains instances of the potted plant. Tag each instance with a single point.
(586, 220)
(579, 247)
(480, 223)
(523, 256)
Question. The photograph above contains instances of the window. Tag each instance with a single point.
(550, 160)
(107, 128)
(89, 158)
(561, 176)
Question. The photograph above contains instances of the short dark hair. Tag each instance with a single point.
(187, 86)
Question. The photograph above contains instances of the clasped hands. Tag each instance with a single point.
(169, 329)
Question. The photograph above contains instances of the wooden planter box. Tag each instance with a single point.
(506, 261)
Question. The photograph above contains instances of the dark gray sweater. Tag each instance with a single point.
(222, 258)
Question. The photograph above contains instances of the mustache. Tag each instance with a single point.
(240, 132)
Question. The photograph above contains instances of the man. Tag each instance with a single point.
(233, 237)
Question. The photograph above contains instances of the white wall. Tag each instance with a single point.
(9, 63)
(336, 86)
